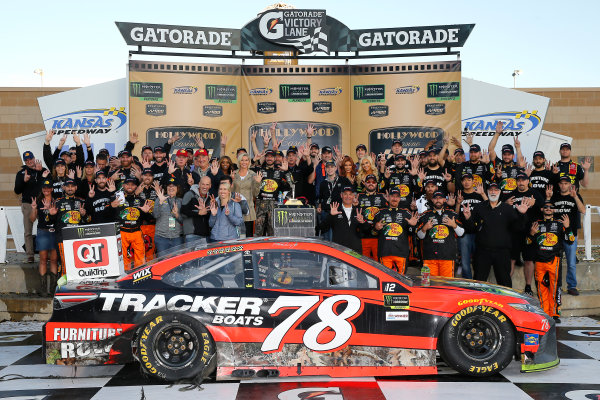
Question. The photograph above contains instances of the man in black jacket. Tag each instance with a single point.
(347, 223)
(495, 223)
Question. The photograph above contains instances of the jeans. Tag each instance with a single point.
(163, 244)
(466, 244)
(28, 231)
(570, 255)
(200, 240)
(328, 234)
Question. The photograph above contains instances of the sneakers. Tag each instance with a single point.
(528, 290)
(557, 320)
(573, 292)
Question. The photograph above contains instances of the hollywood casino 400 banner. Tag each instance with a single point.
(373, 104)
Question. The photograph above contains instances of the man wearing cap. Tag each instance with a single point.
(147, 154)
(160, 167)
(330, 192)
(495, 223)
(73, 158)
(391, 226)
(370, 202)
(401, 178)
(128, 213)
(126, 170)
(578, 173)
(519, 246)
(548, 235)
(346, 221)
(541, 176)
(471, 196)
(482, 172)
(425, 202)
(434, 171)
(298, 171)
(98, 199)
(202, 167)
(396, 149)
(68, 211)
(506, 168)
(102, 162)
(361, 151)
(27, 184)
(195, 206)
(320, 172)
(567, 202)
(272, 182)
(147, 192)
(438, 229)
(181, 172)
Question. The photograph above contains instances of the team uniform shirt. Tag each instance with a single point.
(83, 187)
(571, 169)
(403, 181)
(68, 212)
(331, 192)
(158, 171)
(370, 204)
(533, 213)
(272, 183)
(438, 176)
(129, 214)
(393, 237)
(548, 240)
(538, 180)
(508, 180)
(440, 241)
(566, 205)
(482, 173)
(98, 207)
(471, 199)
(57, 186)
(122, 174)
(45, 220)
(299, 177)
(149, 194)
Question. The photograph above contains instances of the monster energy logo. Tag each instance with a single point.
(443, 90)
(148, 91)
(282, 218)
(221, 93)
(369, 93)
(81, 232)
(294, 93)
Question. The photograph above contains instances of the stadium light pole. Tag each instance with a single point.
(40, 72)
(514, 74)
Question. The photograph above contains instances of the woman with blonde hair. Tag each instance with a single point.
(245, 184)
(366, 167)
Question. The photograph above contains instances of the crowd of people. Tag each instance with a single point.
(456, 215)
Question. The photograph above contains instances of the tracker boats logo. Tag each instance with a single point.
(265, 91)
(185, 90)
(515, 123)
(91, 121)
(306, 30)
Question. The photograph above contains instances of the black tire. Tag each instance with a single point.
(478, 341)
(175, 346)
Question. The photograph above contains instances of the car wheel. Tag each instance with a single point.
(478, 341)
(174, 347)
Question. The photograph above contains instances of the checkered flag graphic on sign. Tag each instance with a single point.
(316, 42)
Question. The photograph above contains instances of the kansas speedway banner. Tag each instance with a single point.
(294, 97)
(414, 103)
(192, 100)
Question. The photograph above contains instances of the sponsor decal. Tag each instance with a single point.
(244, 320)
(443, 90)
(508, 184)
(266, 107)
(185, 90)
(438, 233)
(514, 123)
(221, 93)
(291, 218)
(480, 301)
(401, 302)
(91, 253)
(330, 91)
(188, 137)
(585, 394)
(392, 229)
(295, 93)
(531, 339)
(142, 274)
(305, 30)
(547, 239)
(156, 110)
(413, 37)
(146, 91)
(396, 315)
(435, 108)
(260, 91)
(212, 110)
(90, 121)
(369, 93)
(485, 369)
(588, 333)
(392, 287)
(408, 89)
(322, 107)
(224, 250)
(312, 393)
(379, 111)
(490, 311)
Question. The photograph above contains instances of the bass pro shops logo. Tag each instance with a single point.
(305, 30)
(91, 253)
(92, 121)
(514, 123)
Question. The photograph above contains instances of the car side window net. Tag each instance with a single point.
(219, 271)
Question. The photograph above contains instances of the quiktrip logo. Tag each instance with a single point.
(305, 30)
(91, 253)
(91, 121)
(185, 90)
(408, 89)
(330, 91)
(514, 123)
(260, 91)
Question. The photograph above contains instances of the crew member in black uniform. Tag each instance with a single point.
(97, 203)
(272, 183)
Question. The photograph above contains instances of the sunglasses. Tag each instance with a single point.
(547, 207)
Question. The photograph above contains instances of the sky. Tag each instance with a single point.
(76, 43)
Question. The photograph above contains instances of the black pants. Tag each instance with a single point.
(249, 228)
(497, 258)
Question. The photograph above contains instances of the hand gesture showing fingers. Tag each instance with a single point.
(237, 197)
(428, 225)
(213, 207)
(111, 185)
(38, 165)
(71, 174)
(133, 138)
(549, 191)
(202, 210)
(26, 176)
(510, 200)
(360, 218)
(334, 208)
(534, 228)
(214, 167)
(467, 211)
(414, 218)
(499, 127)
(33, 203)
(91, 193)
(258, 177)
(175, 210)
(226, 209)
(171, 167)
(310, 130)
(190, 179)
(565, 221)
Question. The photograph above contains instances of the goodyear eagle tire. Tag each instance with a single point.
(478, 341)
(175, 346)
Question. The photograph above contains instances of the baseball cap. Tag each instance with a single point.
(125, 153)
(565, 145)
(493, 185)
(394, 191)
(159, 149)
(399, 157)
(361, 146)
(90, 163)
(314, 145)
(28, 155)
(507, 148)
(65, 153)
(397, 141)
(433, 150)
(131, 179)
(422, 153)
(69, 182)
(104, 151)
(46, 184)
(565, 178)
(100, 172)
(539, 154)
(459, 150)
(522, 175)
(270, 153)
(146, 148)
(241, 150)
(467, 175)
(346, 188)
(181, 153)
(147, 171)
(279, 153)
(330, 164)
(60, 161)
(546, 202)
(474, 148)
(292, 149)
(428, 181)
(189, 150)
(171, 181)
(326, 148)
(371, 176)
(201, 152)
(439, 194)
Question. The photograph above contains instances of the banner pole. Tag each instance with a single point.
(587, 232)
(3, 234)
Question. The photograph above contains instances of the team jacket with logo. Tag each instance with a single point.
(482, 173)
(440, 241)
(129, 214)
(571, 169)
(370, 204)
(549, 239)
(98, 207)
(405, 183)
(393, 237)
(507, 181)
(148, 194)
(68, 212)
(272, 183)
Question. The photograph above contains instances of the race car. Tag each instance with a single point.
(266, 307)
